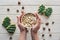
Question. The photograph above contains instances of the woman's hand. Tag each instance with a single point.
(20, 25)
(35, 28)
(23, 30)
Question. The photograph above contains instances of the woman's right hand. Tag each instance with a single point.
(37, 26)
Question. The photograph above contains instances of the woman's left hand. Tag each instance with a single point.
(20, 25)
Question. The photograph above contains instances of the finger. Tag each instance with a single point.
(18, 22)
(37, 24)
(33, 26)
(22, 14)
(21, 27)
(37, 16)
(38, 19)
(17, 19)
(35, 13)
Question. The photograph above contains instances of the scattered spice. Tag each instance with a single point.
(10, 37)
(17, 11)
(43, 28)
(42, 35)
(47, 24)
(53, 22)
(19, 3)
(23, 7)
(8, 9)
(48, 29)
(50, 35)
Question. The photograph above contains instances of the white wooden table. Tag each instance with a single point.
(31, 6)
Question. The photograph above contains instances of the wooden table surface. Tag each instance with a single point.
(31, 6)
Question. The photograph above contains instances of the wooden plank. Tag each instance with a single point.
(39, 2)
(6, 37)
(47, 37)
(16, 37)
(8, 2)
(13, 9)
(54, 28)
(30, 2)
